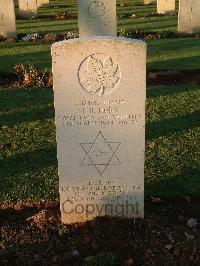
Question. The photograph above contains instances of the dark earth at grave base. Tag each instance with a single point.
(32, 234)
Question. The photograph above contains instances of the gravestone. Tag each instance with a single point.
(97, 18)
(41, 3)
(99, 90)
(189, 16)
(28, 8)
(166, 6)
(7, 19)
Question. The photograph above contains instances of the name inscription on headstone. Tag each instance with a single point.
(95, 113)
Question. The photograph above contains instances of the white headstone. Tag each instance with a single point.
(7, 19)
(28, 8)
(41, 3)
(166, 6)
(189, 16)
(97, 18)
(100, 90)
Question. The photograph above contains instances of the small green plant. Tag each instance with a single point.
(61, 229)
(62, 15)
(124, 33)
(49, 37)
(28, 76)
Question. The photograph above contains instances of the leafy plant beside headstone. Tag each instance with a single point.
(63, 15)
(28, 77)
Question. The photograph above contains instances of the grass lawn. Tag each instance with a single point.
(28, 150)
(28, 164)
(165, 54)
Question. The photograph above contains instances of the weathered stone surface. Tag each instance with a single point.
(166, 6)
(7, 19)
(97, 18)
(99, 89)
(28, 8)
(189, 16)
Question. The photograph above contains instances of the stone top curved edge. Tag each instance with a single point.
(98, 38)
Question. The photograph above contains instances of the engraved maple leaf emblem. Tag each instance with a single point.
(97, 9)
(99, 74)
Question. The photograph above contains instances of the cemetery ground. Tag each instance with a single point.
(31, 231)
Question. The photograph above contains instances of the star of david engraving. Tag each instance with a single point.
(100, 153)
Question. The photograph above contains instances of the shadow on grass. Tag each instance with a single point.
(16, 98)
(56, 23)
(27, 162)
(57, 28)
(168, 45)
(146, 20)
(25, 175)
(167, 127)
(153, 26)
(23, 105)
(187, 183)
(41, 59)
(34, 113)
(189, 62)
(157, 91)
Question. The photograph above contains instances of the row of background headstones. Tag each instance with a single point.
(27, 9)
(189, 16)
